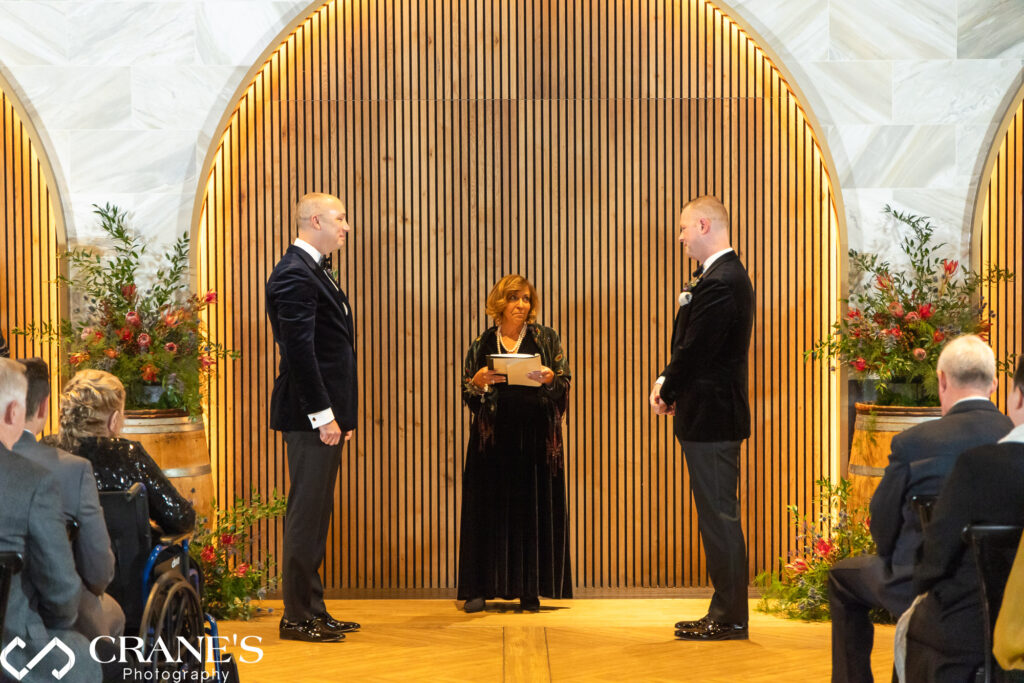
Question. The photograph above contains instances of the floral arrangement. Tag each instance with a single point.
(220, 548)
(800, 589)
(897, 322)
(152, 339)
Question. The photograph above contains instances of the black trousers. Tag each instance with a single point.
(714, 468)
(312, 472)
(857, 585)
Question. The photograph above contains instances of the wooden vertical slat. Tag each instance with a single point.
(472, 139)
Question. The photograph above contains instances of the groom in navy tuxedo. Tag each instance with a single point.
(314, 403)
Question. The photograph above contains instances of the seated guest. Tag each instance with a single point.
(921, 458)
(1008, 635)
(43, 600)
(91, 416)
(98, 613)
(945, 640)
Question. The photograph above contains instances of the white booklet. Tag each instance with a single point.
(515, 366)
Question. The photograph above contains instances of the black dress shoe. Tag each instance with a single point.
(309, 631)
(690, 625)
(474, 605)
(714, 630)
(530, 604)
(331, 624)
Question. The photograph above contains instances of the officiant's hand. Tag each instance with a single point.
(657, 405)
(485, 377)
(545, 375)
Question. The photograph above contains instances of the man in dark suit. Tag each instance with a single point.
(919, 463)
(43, 598)
(945, 639)
(705, 386)
(98, 613)
(314, 403)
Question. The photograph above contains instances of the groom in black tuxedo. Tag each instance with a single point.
(314, 403)
(705, 387)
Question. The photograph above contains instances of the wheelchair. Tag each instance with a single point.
(159, 591)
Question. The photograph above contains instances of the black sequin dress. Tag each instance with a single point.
(119, 463)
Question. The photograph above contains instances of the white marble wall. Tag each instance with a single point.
(127, 95)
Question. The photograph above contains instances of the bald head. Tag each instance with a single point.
(322, 221)
(966, 367)
(704, 227)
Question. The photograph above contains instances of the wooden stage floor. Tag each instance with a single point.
(569, 640)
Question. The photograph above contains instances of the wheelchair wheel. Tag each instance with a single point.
(172, 613)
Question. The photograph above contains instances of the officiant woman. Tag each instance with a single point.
(514, 533)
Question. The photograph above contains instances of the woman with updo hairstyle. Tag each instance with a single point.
(91, 417)
(513, 539)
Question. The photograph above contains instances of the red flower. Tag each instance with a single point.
(211, 297)
(124, 334)
(171, 346)
(206, 361)
(896, 308)
(860, 365)
(853, 314)
(883, 282)
(912, 317)
(172, 318)
(896, 332)
(879, 319)
(208, 554)
(925, 311)
(149, 372)
(950, 266)
(144, 339)
(798, 566)
(98, 335)
(920, 354)
(241, 569)
(938, 336)
(227, 539)
(111, 353)
(128, 292)
(133, 319)
(823, 547)
(79, 357)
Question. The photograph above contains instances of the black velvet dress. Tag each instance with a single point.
(119, 463)
(514, 527)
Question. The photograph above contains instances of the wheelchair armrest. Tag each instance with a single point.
(175, 539)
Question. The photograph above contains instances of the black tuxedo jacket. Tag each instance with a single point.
(312, 324)
(706, 377)
(921, 459)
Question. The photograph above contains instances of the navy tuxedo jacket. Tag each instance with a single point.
(706, 377)
(312, 324)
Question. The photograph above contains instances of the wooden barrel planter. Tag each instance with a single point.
(178, 445)
(873, 432)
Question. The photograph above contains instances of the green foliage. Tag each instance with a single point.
(898, 322)
(148, 338)
(800, 589)
(221, 549)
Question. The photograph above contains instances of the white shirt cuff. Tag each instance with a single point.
(320, 419)
(660, 380)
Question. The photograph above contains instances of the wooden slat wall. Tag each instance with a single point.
(557, 140)
(32, 241)
(1000, 239)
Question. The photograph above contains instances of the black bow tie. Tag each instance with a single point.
(327, 263)
(699, 271)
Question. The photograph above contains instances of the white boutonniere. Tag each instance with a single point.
(684, 297)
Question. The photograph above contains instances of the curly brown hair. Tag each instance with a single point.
(498, 299)
(86, 404)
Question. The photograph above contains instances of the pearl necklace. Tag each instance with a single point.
(514, 349)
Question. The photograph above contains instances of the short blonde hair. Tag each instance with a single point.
(13, 383)
(968, 362)
(712, 208)
(86, 404)
(310, 205)
(497, 300)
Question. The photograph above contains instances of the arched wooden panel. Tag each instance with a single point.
(999, 235)
(33, 238)
(474, 139)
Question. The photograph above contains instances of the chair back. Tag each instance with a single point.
(994, 547)
(923, 505)
(10, 564)
(127, 517)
